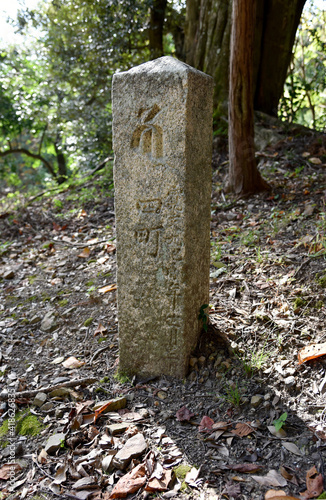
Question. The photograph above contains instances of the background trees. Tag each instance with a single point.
(244, 177)
(207, 33)
(304, 96)
(55, 96)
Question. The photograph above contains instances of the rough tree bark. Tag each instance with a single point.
(156, 24)
(207, 43)
(244, 177)
(277, 22)
(207, 37)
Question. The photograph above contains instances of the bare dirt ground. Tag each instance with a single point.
(268, 279)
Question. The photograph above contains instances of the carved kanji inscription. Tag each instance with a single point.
(162, 135)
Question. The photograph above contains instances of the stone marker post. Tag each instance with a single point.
(162, 136)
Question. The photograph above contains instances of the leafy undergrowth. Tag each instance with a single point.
(248, 419)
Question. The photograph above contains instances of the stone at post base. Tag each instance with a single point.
(162, 133)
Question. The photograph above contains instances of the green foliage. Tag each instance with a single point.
(121, 377)
(279, 422)
(55, 96)
(233, 394)
(322, 281)
(304, 95)
(253, 362)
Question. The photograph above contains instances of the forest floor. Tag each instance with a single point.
(247, 421)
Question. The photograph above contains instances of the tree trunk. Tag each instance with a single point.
(207, 41)
(244, 177)
(62, 175)
(156, 23)
(277, 22)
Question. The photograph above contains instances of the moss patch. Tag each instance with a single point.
(29, 426)
(26, 425)
(181, 471)
(322, 281)
(121, 377)
(63, 302)
(88, 322)
(298, 303)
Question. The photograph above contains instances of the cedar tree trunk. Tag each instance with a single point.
(244, 177)
(207, 41)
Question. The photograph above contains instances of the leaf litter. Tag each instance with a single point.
(211, 434)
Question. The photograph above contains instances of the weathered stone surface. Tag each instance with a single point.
(133, 448)
(49, 323)
(119, 428)
(40, 399)
(256, 400)
(35, 319)
(54, 443)
(8, 274)
(112, 404)
(162, 132)
(107, 461)
(16, 450)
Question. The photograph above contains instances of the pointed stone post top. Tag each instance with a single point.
(165, 64)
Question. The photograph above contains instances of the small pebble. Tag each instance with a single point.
(289, 381)
(256, 400)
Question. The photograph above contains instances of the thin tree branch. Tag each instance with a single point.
(26, 152)
(49, 388)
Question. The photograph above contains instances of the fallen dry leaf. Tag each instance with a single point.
(112, 405)
(242, 429)
(160, 484)
(84, 482)
(6, 470)
(72, 362)
(82, 213)
(232, 490)
(315, 161)
(314, 484)
(292, 448)
(244, 468)
(130, 482)
(273, 478)
(108, 288)
(184, 415)
(192, 478)
(110, 248)
(206, 424)
(100, 330)
(42, 457)
(223, 426)
(311, 352)
(280, 433)
(61, 474)
(278, 495)
(85, 253)
(288, 474)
